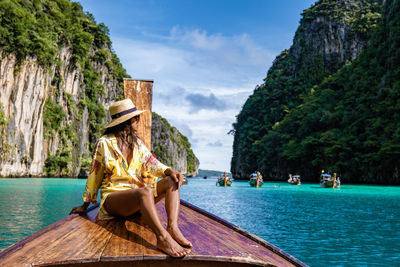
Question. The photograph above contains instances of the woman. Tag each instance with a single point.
(127, 172)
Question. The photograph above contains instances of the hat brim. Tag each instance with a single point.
(124, 118)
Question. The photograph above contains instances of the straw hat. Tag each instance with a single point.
(121, 111)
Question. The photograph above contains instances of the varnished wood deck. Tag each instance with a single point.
(78, 240)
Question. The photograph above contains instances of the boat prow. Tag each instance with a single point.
(79, 241)
(295, 179)
(327, 180)
(253, 182)
(221, 182)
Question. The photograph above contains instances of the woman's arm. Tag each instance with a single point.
(156, 167)
(94, 180)
(176, 176)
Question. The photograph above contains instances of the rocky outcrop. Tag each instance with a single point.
(172, 148)
(24, 90)
(58, 75)
(331, 34)
(23, 93)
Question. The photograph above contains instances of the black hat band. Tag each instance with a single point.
(117, 115)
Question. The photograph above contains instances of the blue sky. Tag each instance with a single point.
(205, 57)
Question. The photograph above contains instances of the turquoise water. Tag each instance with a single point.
(354, 226)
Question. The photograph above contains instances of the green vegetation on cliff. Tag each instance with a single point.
(181, 141)
(40, 29)
(5, 147)
(57, 36)
(313, 114)
(350, 122)
(53, 115)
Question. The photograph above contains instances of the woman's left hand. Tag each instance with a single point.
(176, 176)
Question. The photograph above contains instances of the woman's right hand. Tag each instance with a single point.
(79, 209)
(176, 176)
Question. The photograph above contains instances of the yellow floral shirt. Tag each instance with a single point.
(111, 172)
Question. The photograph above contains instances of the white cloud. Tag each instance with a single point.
(189, 67)
(199, 39)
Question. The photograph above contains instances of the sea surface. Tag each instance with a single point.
(357, 225)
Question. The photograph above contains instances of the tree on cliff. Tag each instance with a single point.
(64, 74)
(323, 108)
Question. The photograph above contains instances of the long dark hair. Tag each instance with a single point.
(124, 132)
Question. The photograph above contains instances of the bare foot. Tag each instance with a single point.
(178, 236)
(168, 245)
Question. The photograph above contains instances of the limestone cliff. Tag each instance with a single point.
(330, 35)
(26, 91)
(172, 148)
(58, 75)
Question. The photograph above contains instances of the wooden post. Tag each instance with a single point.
(141, 94)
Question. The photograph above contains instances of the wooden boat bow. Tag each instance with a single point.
(79, 241)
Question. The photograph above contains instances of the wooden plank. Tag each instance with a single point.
(210, 239)
(27, 253)
(149, 243)
(226, 242)
(201, 233)
(141, 94)
(123, 242)
(206, 242)
(191, 230)
(131, 240)
(76, 240)
(83, 244)
(22, 243)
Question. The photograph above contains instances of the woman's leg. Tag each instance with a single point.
(169, 188)
(127, 202)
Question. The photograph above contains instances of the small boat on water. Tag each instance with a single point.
(224, 180)
(295, 179)
(253, 179)
(77, 240)
(327, 180)
(221, 181)
(253, 182)
(185, 180)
